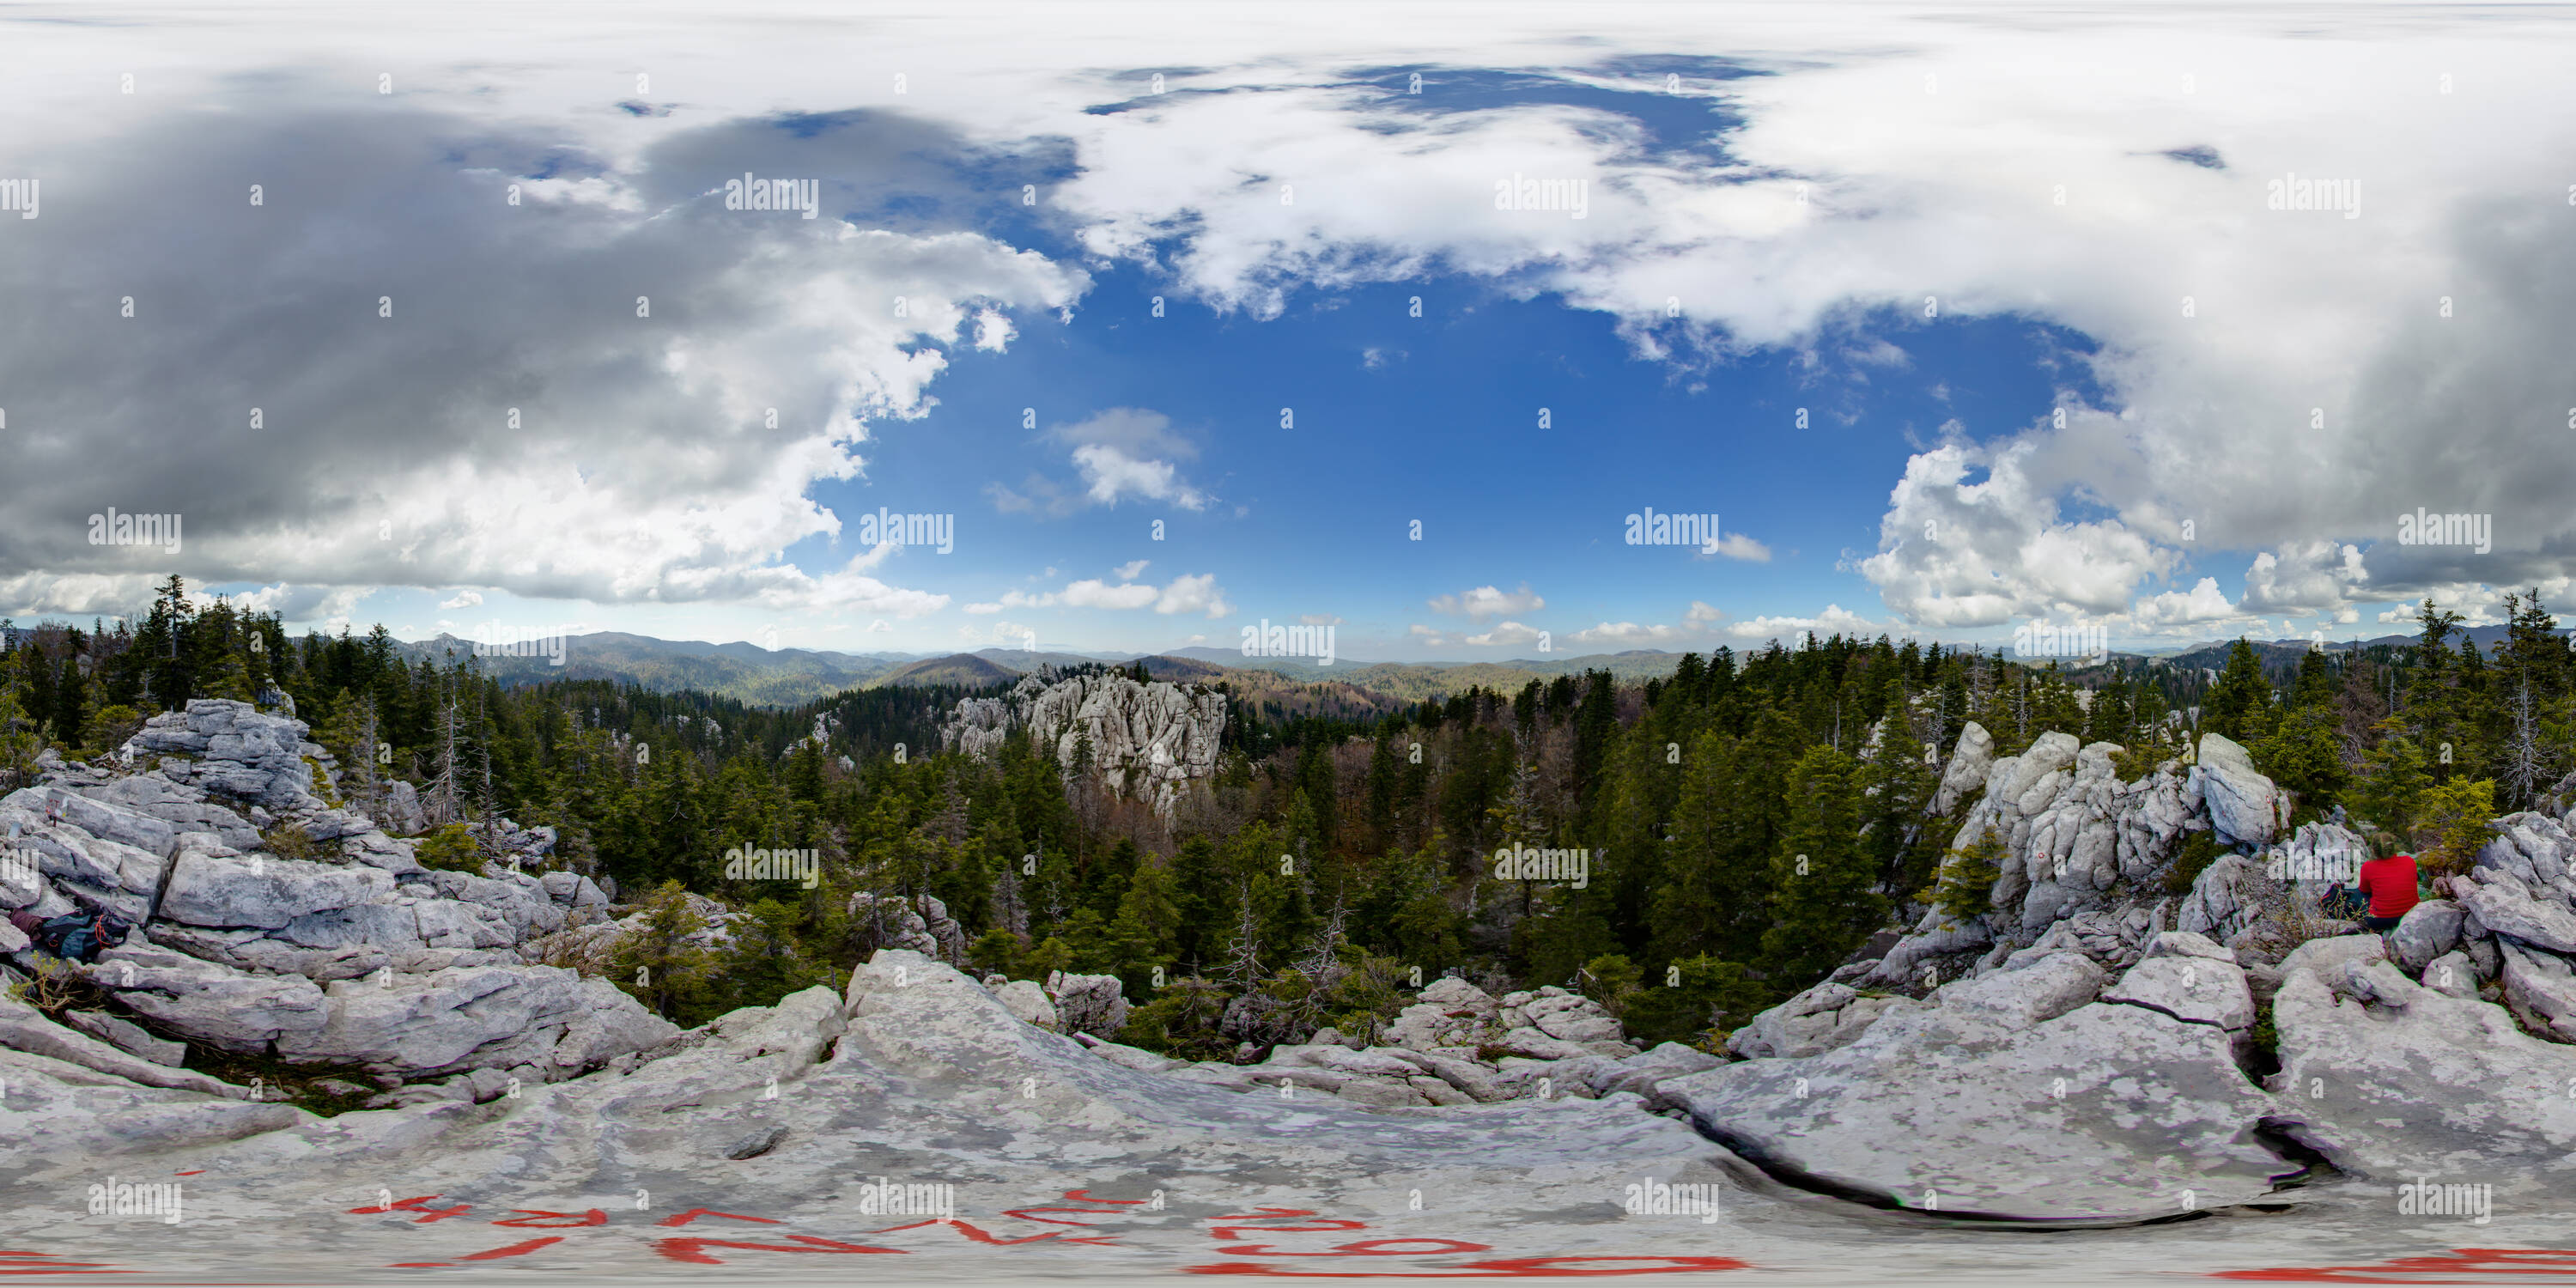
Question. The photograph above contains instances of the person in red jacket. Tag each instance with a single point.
(2389, 883)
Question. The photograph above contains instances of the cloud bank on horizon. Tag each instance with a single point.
(407, 333)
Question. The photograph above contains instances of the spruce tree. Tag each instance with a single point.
(1823, 896)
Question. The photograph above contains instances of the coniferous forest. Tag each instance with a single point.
(1749, 820)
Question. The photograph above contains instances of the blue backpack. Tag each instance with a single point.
(79, 936)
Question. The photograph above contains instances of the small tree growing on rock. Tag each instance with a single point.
(657, 963)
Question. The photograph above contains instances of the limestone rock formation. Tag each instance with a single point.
(362, 957)
(1149, 740)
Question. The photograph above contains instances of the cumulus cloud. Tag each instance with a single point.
(1118, 454)
(1630, 634)
(1185, 594)
(1833, 620)
(1960, 551)
(1736, 545)
(2294, 402)
(2259, 388)
(1506, 632)
(2304, 577)
(2185, 612)
(1487, 601)
(464, 599)
(585, 381)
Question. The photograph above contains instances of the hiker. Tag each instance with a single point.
(2389, 883)
(74, 936)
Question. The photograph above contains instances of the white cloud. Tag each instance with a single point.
(1629, 633)
(1736, 545)
(1505, 633)
(2308, 576)
(993, 331)
(1194, 594)
(1185, 594)
(629, 464)
(1833, 620)
(464, 599)
(1131, 571)
(1956, 552)
(1120, 453)
(1109, 473)
(2185, 612)
(1701, 614)
(1487, 601)
(1094, 593)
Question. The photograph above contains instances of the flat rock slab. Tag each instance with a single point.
(2441, 1087)
(2107, 1113)
(1061, 1162)
(2200, 990)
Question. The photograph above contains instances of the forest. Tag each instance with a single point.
(1749, 820)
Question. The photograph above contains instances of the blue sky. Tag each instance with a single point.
(2060, 358)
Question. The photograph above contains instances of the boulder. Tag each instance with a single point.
(1574, 1019)
(609, 1024)
(2452, 975)
(402, 813)
(24, 1028)
(457, 1020)
(1451, 1012)
(2534, 847)
(2196, 990)
(2502, 905)
(1970, 758)
(1823, 1017)
(2327, 956)
(1533, 1043)
(1127, 1057)
(2440, 1085)
(2184, 943)
(127, 1036)
(2428, 930)
(2542, 988)
(64, 1115)
(2226, 898)
(264, 892)
(36, 809)
(2245, 808)
(1093, 1004)
(208, 1002)
(2018, 997)
(1936, 935)
(1028, 1004)
(2106, 1113)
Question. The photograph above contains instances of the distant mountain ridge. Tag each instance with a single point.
(749, 673)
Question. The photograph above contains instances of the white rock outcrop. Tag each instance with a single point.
(1149, 740)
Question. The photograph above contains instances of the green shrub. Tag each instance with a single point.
(1181, 1022)
(292, 842)
(450, 849)
(2199, 850)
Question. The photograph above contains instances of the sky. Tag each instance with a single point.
(2150, 324)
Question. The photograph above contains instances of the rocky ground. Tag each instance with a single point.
(2176, 1083)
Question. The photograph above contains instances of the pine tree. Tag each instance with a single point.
(2238, 704)
(1823, 899)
